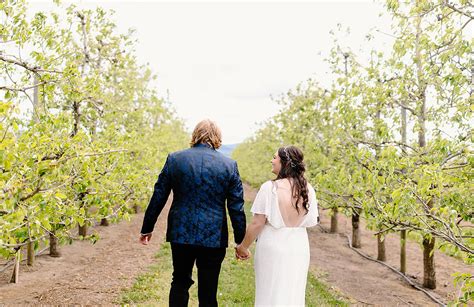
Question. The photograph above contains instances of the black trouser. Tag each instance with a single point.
(208, 261)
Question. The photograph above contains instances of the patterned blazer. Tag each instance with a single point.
(202, 180)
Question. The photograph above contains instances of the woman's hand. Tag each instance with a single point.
(242, 253)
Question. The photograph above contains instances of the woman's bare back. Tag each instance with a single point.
(286, 203)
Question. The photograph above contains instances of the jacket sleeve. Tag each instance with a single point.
(235, 205)
(158, 200)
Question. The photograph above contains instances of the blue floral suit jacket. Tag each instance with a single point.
(203, 181)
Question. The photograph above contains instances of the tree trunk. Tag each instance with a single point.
(16, 268)
(381, 255)
(403, 233)
(380, 239)
(104, 222)
(334, 220)
(37, 104)
(37, 110)
(53, 245)
(83, 229)
(403, 131)
(429, 273)
(30, 254)
(356, 242)
(403, 252)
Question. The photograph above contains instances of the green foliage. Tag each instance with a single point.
(260, 149)
(98, 132)
(352, 133)
(466, 282)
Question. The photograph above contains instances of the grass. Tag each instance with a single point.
(236, 284)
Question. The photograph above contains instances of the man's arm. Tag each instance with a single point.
(158, 200)
(235, 205)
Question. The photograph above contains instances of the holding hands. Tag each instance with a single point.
(242, 252)
(145, 238)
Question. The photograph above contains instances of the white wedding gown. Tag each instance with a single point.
(282, 253)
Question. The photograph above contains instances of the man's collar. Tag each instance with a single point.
(203, 145)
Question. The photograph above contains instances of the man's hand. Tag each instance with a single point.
(145, 238)
(242, 253)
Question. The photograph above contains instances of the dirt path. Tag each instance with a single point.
(95, 274)
(369, 282)
(366, 282)
(89, 274)
(86, 274)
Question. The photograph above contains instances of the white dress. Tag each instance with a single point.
(282, 253)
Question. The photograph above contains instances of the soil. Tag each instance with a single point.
(89, 274)
(86, 274)
(364, 282)
(371, 283)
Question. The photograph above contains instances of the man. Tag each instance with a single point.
(202, 180)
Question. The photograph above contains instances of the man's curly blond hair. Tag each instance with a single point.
(207, 132)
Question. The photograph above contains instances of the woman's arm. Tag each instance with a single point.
(253, 230)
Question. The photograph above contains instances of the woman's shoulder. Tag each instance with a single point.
(267, 185)
(265, 189)
(311, 189)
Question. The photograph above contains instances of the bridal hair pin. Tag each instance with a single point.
(292, 164)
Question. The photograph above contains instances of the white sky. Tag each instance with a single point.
(222, 60)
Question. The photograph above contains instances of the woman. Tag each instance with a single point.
(282, 209)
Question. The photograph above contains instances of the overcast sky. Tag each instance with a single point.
(223, 60)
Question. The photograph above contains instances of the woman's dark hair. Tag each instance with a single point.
(293, 167)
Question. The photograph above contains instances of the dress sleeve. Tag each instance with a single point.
(313, 213)
(261, 204)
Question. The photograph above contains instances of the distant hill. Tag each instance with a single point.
(227, 149)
